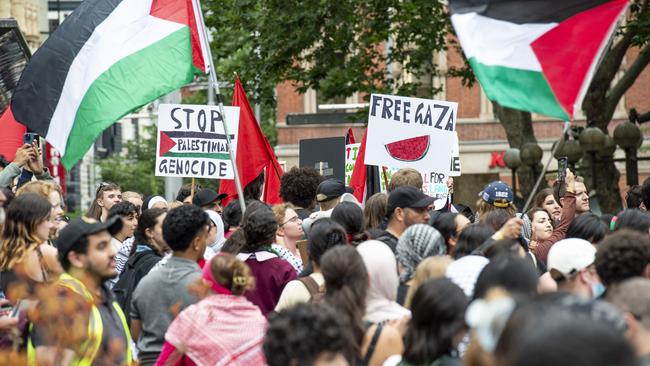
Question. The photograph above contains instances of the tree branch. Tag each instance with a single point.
(632, 73)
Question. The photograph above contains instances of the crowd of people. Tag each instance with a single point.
(320, 279)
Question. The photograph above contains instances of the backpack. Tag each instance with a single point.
(135, 269)
(315, 292)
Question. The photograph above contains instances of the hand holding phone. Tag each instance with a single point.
(562, 165)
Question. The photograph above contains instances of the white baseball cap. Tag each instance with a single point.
(570, 256)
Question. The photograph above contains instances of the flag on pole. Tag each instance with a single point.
(254, 154)
(11, 137)
(107, 58)
(537, 56)
(365, 178)
(349, 137)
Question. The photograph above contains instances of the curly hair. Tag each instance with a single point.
(298, 186)
(260, 227)
(299, 335)
(622, 255)
(182, 225)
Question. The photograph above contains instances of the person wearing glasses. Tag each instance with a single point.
(288, 234)
(106, 196)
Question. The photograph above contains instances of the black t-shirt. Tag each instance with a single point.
(388, 239)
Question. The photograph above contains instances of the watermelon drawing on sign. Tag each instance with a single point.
(412, 149)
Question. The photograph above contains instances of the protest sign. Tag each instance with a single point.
(321, 154)
(351, 151)
(192, 141)
(410, 133)
(454, 169)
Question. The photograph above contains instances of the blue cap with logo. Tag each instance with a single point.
(497, 194)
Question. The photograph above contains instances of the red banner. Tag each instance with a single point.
(53, 163)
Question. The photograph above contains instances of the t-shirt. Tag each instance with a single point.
(388, 239)
(112, 349)
(159, 297)
(295, 292)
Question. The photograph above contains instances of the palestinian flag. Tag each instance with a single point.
(107, 59)
(537, 56)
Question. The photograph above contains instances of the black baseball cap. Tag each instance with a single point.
(80, 228)
(207, 196)
(407, 197)
(330, 189)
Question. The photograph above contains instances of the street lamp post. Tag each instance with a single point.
(592, 140)
(531, 154)
(628, 135)
(512, 159)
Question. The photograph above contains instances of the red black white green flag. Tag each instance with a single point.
(106, 59)
(537, 56)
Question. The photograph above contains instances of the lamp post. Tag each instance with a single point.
(531, 154)
(628, 135)
(592, 140)
(512, 159)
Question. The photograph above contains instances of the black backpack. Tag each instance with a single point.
(138, 265)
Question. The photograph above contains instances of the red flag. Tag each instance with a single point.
(358, 179)
(11, 137)
(349, 137)
(254, 154)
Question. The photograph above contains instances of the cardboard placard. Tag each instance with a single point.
(192, 141)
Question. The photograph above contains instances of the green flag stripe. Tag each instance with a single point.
(197, 155)
(519, 89)
(129, 84)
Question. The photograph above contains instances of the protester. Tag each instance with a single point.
(381, 302)
(164, 292)
(231, 217)
(51, 192)
(633, 220)
(329, 192)
(25, 257)
(634, 197)
(224, 328)
(149, 247)
(185, 193)
(406, 206)
(471, 239)
(495, 196)
(216, 238)
(307, 335)
(430, 268)
(450, 225)
(271, 272)
(571, 265)
(418, 242)
(325, 234)
(645, 194)
(289, 229)
(589, 227)
(80, 322)
(208, 199)
(28, 160)
(632, 296)
(508, 272)
(135, 198)
(622, 255)
(346, 284)
(465, 271)
(128, 213)
(350, 216)
(374, 211)
(437, 325)
(545, 199)
(582, 196)
(155, 202)
(106, 196)
(298, 187)
(405, 177)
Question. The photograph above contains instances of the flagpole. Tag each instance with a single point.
(213, 82)
(567, 125)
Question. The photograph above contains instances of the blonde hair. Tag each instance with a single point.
(41, 188)
(280, 211)
(405, 177)
(130, 194)
(232, 273)
(174, 204)
(429, 269)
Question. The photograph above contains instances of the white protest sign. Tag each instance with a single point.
(454, 169)
(192, 141)
(410, 133)
(351, 151)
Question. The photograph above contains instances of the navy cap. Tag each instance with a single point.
(407, 197)
(80, 228)
(330, 189)
(497, 194)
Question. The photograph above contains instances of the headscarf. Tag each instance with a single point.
(464, 272)
(382, 293)
(214, 247)
(416, 243)
(152, 200)
(221, 329)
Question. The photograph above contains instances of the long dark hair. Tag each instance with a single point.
(471, 238)
(445, 223)
(147, 220)
(346, 283)
(324, 235)
(438, 311)
(350, 216)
